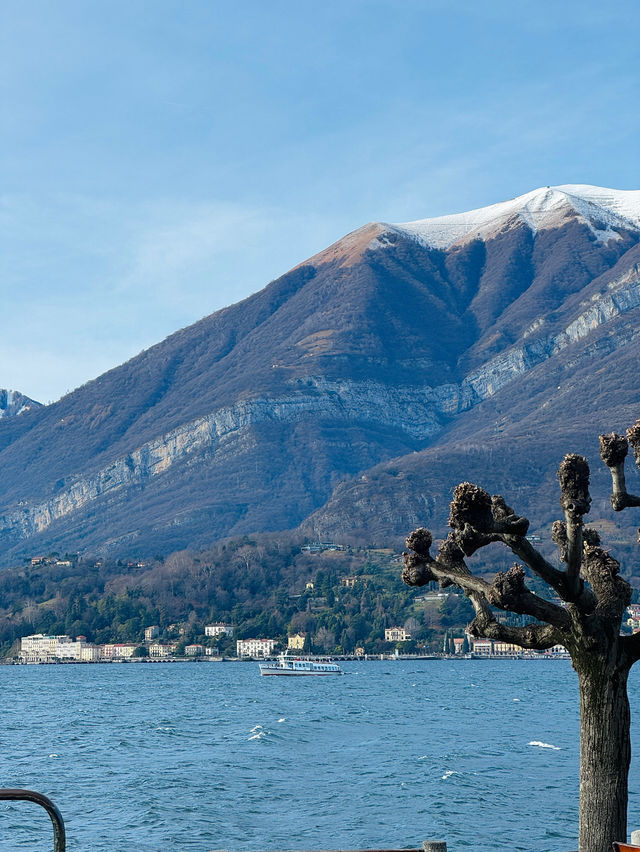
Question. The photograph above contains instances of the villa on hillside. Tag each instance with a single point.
(296, 643)
(218, 629)
(396, 634)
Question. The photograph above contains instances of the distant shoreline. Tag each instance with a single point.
(366, 659)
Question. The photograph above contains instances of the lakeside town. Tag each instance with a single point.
(40, 649)
(377, 622)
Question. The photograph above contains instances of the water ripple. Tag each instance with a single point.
(192, 758)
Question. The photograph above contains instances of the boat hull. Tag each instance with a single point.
(280, 673)
(288, 667)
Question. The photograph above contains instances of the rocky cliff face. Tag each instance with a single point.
(328, 395)
(582, 381)
(13, 403)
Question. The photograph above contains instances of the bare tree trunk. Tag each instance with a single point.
(605, 754)
(595, 597)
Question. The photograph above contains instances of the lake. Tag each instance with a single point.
(164, 757)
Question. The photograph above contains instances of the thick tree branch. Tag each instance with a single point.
(602, 572)
(573, 476)
(630, 646)
(507, 591)
(478, 519)
(524, 550)
(537, 637)
(447, 569)
(633, 436)
(613, 452)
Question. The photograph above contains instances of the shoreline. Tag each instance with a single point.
(371, 658)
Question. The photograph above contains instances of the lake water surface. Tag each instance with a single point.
(161, 757)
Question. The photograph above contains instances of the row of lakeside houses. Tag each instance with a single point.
(40, 648)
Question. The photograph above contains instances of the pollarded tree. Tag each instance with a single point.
(593, 598)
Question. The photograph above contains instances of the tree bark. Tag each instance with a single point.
(605, 754)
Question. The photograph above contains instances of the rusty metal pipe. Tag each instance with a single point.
(59, 837)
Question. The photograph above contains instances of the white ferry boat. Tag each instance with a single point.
(296, 667)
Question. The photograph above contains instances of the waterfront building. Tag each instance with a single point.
(117, 651)
(255, 647)
(506, 649)
(107, 651)
(482, 647)
(40, 648)
(89, 653)
(158, 651)
(194, 650)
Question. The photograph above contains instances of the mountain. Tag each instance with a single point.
(351, 393)
(564, 370)
(13, 403)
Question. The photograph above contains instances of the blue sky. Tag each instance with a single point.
(161, 159)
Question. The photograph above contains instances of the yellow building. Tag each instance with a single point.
(506, 649)
(296, 643)
(396, 634)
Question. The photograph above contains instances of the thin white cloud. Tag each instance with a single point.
(94, 281)
(180, 244)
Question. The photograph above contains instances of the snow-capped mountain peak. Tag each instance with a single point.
(13, 403)
(603, 210)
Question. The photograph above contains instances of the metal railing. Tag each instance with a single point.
(59, 837)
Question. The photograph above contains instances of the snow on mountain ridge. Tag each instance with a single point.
(600, 208)
(13, 403)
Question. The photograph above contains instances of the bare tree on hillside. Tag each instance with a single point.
(587, 620)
